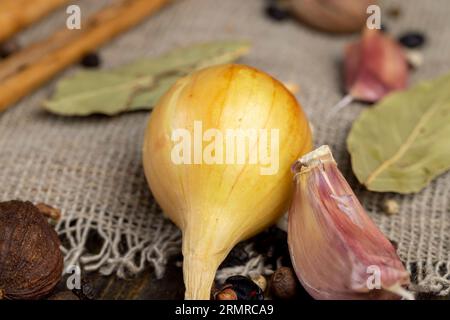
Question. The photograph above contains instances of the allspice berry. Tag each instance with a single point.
(31, 262)
(284, 283)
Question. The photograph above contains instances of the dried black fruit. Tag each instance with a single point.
(275, 12)
(91, 60)
(412, 39)
(31, 262)
(244, 288)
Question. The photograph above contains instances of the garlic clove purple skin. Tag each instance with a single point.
(336, 250)
(374, 66)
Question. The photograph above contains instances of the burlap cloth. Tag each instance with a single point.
(91, 167)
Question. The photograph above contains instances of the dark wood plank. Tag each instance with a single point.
(145, 286)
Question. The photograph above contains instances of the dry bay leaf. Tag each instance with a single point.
(403, 142)
(138, 85)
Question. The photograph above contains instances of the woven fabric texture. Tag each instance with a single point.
(91, 168)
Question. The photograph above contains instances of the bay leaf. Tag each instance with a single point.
(403, 142)
(139, 84)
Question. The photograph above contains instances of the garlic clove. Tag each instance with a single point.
(336, 249)
(374, 66)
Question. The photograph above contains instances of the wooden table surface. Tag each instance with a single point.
(146, 286)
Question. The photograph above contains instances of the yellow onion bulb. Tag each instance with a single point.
(217, 204)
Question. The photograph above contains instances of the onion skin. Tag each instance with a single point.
(335, 16)
(218, 205)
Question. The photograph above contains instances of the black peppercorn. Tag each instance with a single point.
(276, 13)
(412, 39)
(91, 60)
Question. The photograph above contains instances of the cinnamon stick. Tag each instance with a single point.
(15, 15)
(24, 72)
